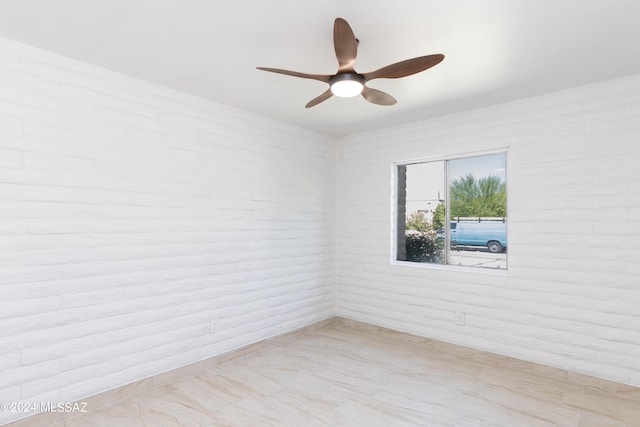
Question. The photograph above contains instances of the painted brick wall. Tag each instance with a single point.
(571, 297)
(132, 216)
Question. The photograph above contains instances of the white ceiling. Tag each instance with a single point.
(495, 50)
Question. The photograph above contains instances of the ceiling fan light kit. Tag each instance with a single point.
(347, 85)
(347, 82)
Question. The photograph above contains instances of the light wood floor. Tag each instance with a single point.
(348, 374)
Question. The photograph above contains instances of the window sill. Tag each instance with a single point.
(451, 267)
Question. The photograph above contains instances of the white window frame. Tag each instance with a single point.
(394, 211)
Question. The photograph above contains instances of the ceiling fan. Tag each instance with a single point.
(347, 82)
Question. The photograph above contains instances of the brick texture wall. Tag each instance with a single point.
(571, 296)
(142, 229)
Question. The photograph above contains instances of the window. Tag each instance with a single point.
(453, 211)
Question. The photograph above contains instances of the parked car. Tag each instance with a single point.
(490, 233)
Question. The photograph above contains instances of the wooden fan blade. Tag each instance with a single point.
(318, 99)
(376, 96)
(321, 77)
(345, 44)
(405, 68)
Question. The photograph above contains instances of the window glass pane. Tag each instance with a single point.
(478, 211)
(421, 225)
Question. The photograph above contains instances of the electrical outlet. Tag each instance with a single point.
(459, 318)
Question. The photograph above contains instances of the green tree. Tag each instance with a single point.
(482, 197)
(438, 217)
(416, 221)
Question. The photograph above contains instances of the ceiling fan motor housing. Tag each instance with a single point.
(355, 77)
